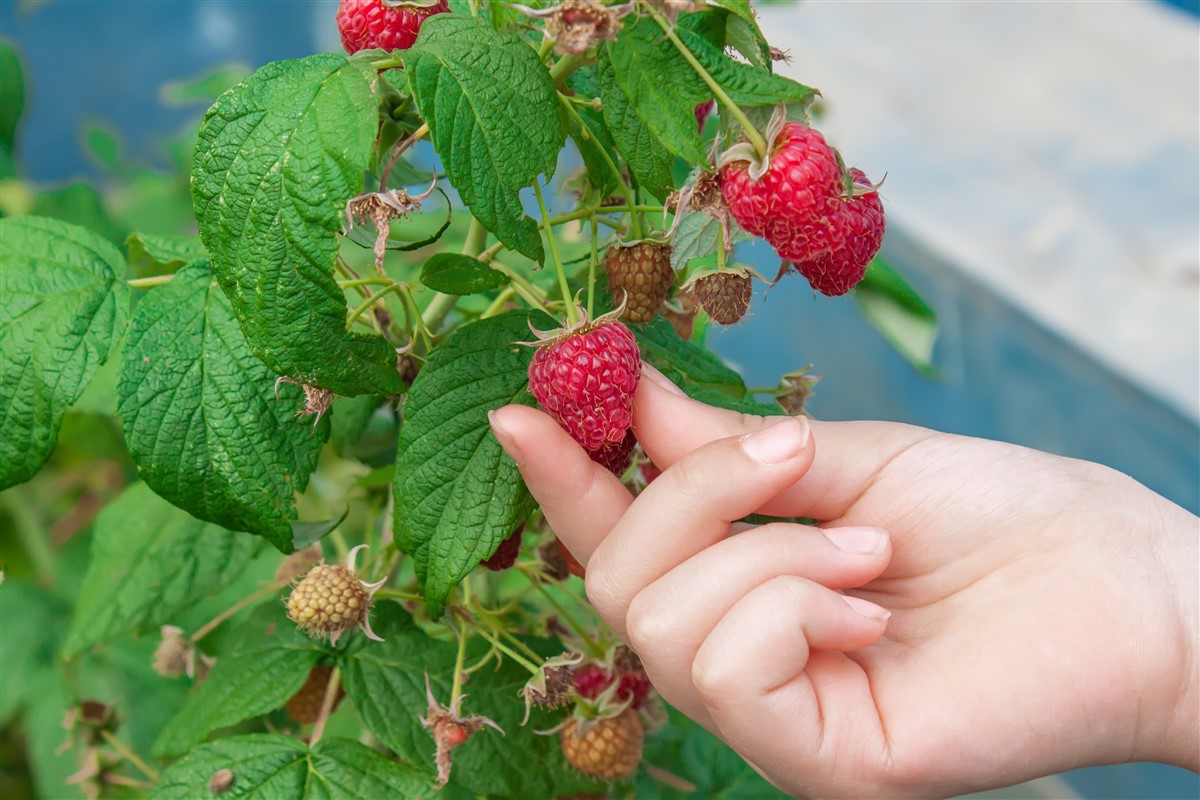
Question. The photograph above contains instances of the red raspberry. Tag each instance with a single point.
(506, 554)
(616, 457)
(859, 224)
(585, 379)
(791, 203)
(573, 565)
(388, 24)
(592, 679)
(702, 112)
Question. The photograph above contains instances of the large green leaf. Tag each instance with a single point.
(277, 158)
(158, 254)
(648, 160)
(269, 766)
(266, 664)
(698, 372)
(386, 682)
(457, 495)
(493, 116)
(63, 307)
(150, 561)
(746, 85)
(661, 86)
(201, 418)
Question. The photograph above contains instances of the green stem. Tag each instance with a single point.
(545, 50)
(592, 271)
(442, 304)
(572, 316)
(245, 602)
(572, 623)
(721, 255)
(590, 211)
(366, 282)
(524, 662)
(460, 659)
(370, 301)
(756, 138)
(146, 283)
(499, 302)
(130, 756)
(625, 190)
(565, 66)
(396, 594)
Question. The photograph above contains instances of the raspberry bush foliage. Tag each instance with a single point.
(261, 540)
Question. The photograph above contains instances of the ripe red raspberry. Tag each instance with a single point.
(592, 679)
(725, 295)
(859, 225)
(388, 24)
(790, 203)
(585, 379)
(506, 554)
(642, 275)
(617, 457)
(702, 112)
(573, 565)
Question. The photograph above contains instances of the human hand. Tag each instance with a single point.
(1043, 610)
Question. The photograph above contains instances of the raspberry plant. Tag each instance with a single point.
(320, 510)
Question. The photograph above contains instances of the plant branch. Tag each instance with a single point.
(370, 301)
(331, 691)
(130, 756)
(146, 283)
(565, 66)
(624, 187)
(572, 316)
(727, 104)
(245, 602)
(397, 151)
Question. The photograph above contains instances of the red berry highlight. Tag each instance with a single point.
(387, 24)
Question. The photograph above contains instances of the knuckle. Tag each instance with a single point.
(691, 477)
(716, 677)
(649, 623)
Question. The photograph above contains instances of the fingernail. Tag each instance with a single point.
(660, 380)
(864, 541)
(866, 608)
(779, 442)
(503, 436)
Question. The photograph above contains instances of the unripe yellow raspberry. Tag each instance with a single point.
(331, 599)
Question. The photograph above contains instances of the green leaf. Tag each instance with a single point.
(103, 144)
(696, 236)
(150, 561)
(897, 312)
(664, 350)
(25, 649)
(743, 34)
(591, 136)
(746, 85)
(12, 94)
(266, 664)
(648, 160)
(386, 682)
(661, 86)
(269, 765)
(205, 88)
(162, 253)
(493, 116)
(698, 757)
(452, 273)
(201, 419)
(63, 307)
(276, 159)
(457, 495)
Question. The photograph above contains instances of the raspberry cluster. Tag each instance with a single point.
(827, 224)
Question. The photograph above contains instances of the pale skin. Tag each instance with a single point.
(968, 614)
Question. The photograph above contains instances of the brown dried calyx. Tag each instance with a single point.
(575, 25)
(316, 399)
(380, 208)
(449, 730)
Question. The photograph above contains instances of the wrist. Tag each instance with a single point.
(1172, 734)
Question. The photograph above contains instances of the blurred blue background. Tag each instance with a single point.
(1004, 373)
